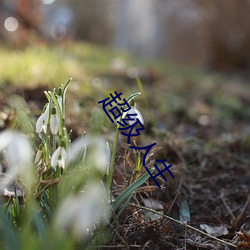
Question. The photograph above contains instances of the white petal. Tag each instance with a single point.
(101, 155)
(38, 156)
(42, 121)
(18, 155)
(44, 127)
(138, 115)
(55, 156)
(46, 113)
(5, 139)
(19, 151)
(54, 124)
(98, 154)
(80, 213)
(39, 123)
(59, 99)
(62, 161)
(77, 148)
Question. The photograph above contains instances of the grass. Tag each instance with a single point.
(41, 64)
(51, 64)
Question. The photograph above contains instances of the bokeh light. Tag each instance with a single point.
(58, 31)
(11, 24)
(48, 2)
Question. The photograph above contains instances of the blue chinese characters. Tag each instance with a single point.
(111, 108)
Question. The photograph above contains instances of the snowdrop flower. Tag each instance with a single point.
(42, 122)
(77, 148)
(98, 152)
(132, 111)
(79, 214)
(17, 152)
(59, 157)
(101, 155)
(59, 99)
(54, 121)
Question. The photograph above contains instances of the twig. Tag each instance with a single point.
(173, 202)
(117, 246)
(227, 207)
(237, 220)
(183, 223)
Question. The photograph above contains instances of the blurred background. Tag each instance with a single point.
(212, 34)
(193, 59)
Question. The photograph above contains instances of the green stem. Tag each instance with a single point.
(59, 111)
(47, 140)
(63, 101)
(54, 142)
(112, 164)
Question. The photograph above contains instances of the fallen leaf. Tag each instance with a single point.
(152, 204)
(245, 236)
(155, 205)
(215, 231)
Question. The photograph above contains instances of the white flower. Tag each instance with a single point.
(59, 158)
(101, 155)
(54, 121)
(79, 214)
(17, 152)
(59, 99)
(42, 122)
(134, 110)
(98, 152)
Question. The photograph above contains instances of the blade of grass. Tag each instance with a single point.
(122, 209)
(11, 239)
(128, 191)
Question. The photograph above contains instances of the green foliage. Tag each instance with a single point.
(128, 191)
(66, 206)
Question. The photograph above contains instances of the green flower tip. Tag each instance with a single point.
(132, 103)
(62, 143)
(53, 111)
(59, 91)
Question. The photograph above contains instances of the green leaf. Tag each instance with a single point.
(65, 87)
(185, 212)
(122, 209)
(10, 236)
(128, 191)
(39, 222)
(132, 96)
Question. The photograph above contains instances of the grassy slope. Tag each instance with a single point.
(173, 96)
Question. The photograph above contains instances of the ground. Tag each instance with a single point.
(199, 120)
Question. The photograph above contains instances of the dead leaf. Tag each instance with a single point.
(152, 204)
(214, 230)
(245, 236)
(155, 205)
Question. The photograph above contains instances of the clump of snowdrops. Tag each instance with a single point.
(61, 189)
